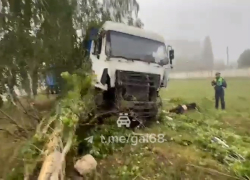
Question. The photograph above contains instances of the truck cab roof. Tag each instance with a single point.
(123, 28)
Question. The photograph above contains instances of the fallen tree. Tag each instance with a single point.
(44, 150)
(58, 132)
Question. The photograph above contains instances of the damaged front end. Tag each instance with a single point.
(137, 93)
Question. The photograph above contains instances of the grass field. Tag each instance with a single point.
(187, 152)
(237, 93)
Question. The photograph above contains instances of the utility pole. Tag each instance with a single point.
(227, 56)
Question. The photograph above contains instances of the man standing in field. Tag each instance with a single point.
(219, 84)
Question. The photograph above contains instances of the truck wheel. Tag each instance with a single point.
(159, 109)
(98, 98)
(118, 98)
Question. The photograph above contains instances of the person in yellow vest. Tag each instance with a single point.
(219, 85)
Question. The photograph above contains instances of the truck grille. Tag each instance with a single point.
(138, 86)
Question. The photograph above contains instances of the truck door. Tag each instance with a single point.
(97, 56)
(165, 78)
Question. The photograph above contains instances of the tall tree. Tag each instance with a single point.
(244, 59)
(33, 32)
(207, 54)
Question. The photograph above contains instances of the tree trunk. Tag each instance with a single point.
(10, 87)
(24, 81)
(1, 101)
(35, 81)
(11, 94)
(30, 86)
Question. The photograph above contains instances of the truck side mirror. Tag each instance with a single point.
(171, 57)
(171, 54)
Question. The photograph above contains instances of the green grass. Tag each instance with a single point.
(237, 94)
(188, 152)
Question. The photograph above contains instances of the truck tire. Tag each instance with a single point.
(159, 109)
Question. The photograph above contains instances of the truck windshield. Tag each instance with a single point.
(135, 48)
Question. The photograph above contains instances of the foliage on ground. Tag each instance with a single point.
(189, 152)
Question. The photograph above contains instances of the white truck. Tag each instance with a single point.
(130, 66)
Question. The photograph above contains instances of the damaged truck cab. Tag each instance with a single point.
(130, 66)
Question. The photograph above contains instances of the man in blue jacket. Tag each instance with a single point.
(50, 81)
(219, 85)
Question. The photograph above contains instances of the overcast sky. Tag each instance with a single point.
(227, 22)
